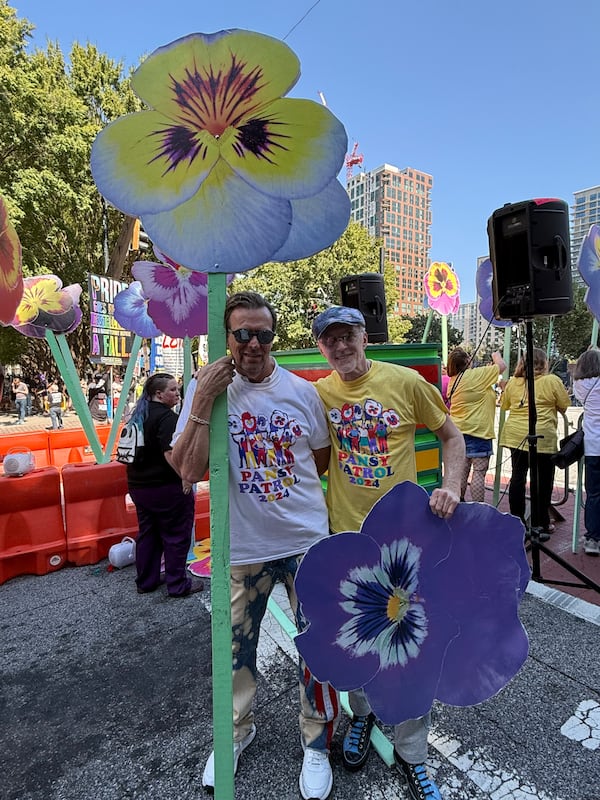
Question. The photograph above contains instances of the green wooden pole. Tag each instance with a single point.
(506, 357)
(64, 360)
(427, 326)
(444, 339)
(118, 413)
(187, 361)
(594, 338)
(219, 553)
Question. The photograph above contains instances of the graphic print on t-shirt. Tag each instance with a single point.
(362, 432)
(265, 453)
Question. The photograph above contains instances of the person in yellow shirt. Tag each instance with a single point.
(550, 398)
(473, 407)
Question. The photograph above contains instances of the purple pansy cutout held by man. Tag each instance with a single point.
(401, 608)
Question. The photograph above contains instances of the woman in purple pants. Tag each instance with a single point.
(165, 510)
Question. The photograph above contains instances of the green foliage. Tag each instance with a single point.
(417, 329)
(299, 289)
(50, 112)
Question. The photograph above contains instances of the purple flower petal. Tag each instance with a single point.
(131, 311)
(412, 599)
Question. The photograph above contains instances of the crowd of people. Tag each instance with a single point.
(282, 425)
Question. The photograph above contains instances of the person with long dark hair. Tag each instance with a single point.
(550, 398)
(165, 509)
(586, 388)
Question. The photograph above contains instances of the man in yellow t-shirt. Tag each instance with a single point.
(373, 408)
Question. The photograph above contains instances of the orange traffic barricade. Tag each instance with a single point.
(96, 512)
(32, 533)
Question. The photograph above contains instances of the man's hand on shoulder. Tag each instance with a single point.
(443, 502)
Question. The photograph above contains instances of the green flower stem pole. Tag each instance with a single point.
(594, 339)
(64, 360)
(444, 338)
(118, 413)
(219, 553)
(187, 361)
(506, 357)
(427, 326)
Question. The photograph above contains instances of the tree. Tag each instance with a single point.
(417, 329)
(301, 289)
(50, 113)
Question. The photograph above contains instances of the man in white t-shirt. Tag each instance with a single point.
(278, 447)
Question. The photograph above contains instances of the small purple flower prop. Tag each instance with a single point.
(416, 608)
(483, 280)
(47, 305)
(588, 264)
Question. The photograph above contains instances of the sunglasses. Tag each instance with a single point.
(243, 336)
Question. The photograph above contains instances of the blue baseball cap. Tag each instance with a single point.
(336, 314)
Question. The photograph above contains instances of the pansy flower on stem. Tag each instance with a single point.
(483, 281)
(131, 311)
(224, 172)
(165, 297)
(11, 275)
(415, 608)
(46, 305)
(588, 265)
(442, 288)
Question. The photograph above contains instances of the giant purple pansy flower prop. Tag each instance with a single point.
(46, 305)
(414, 607)
(483, 281)
(588, 264)
(164, 297)
(224, 172)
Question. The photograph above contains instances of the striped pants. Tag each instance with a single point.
(251, 586)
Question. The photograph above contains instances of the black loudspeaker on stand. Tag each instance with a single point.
(367, 293)
(529, 250)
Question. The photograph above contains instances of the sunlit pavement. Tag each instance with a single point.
(106, 695)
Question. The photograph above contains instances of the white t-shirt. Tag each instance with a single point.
(587, 390)
(276, 503)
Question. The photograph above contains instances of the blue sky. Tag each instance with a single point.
(499, 101)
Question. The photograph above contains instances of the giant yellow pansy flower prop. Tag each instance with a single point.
(442, 288)
(224, 172)
(11, 275)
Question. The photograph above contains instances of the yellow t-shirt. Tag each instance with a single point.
(550, 398)
(372, 424)
(473, 402)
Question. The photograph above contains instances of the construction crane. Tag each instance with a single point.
(353, 159)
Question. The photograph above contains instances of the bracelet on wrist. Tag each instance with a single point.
(199, 420)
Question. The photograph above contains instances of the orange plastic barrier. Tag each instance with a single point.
(36, 441)
(32, 533)
(67, 446)
(96, 513)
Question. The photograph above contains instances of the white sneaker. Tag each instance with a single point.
(208, 776)
(316, 778)
(591, 546)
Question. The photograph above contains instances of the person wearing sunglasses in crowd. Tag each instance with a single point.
(278, 447)
(373, 408)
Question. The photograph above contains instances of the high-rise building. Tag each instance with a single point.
(395, 206)
(584, 213)
(476, 330)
